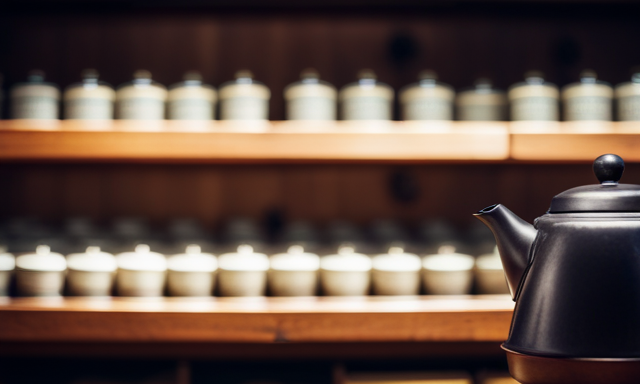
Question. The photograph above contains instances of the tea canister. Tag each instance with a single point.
(243, 273)
(366, 99)
(141, 99)
(534, 99)
(141, 273)
(7, 265)
(244, 98)
(428, 99)
(628, 99)
(294, 273)
(483, 102)
(90, 99)
(346, 273)
(447, 272)
(35, 99)
(191, 273)
(191, 99)
(311, 98)
(41, 273)
(91, 273)
(396, 273)
(489, 274)
(588, 100)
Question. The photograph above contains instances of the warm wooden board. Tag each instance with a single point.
(269, 141)
(257, 320)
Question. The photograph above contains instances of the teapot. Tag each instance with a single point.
(575, 277)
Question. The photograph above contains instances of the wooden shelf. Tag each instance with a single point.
(257, 320)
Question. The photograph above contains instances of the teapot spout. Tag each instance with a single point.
(514, 237)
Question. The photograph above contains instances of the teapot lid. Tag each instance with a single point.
(608, 196)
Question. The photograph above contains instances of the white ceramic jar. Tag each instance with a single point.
(294, 273)
(90, 99)
(628, 99)
(588, 100)
(311, 98)
(41, 273)
(490, 278)
(448, 272)
(427, 99)
(35, 99)
(366, 99)
(244, 98)
(482, 103)
(141, 273)
(534, 99)
(91, 273)
(243, 273)
(141, 99)
(346, 273)
(191, 99)
(191, 273)
(7, 265)
(396, 273)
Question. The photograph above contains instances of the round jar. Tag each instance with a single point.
(91, 273)
(243, 273)
(534, 99)
(7, 265)
(294, 273)
(191, 273)
(448, 272)
(427, 99)
(244, 98)
(35, 99)
(366, 99)
(396, 273)
(310, 98)
(191, 99)
(90, 99)
(346, 273)
(588, 100)
(628, 99)
(41, 273)
(482, 103)
(141, 273)
(490, 278)
(141, 99)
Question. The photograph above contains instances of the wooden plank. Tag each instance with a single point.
(257, 320)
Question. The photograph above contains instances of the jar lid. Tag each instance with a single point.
(310, 85)
(192, 87)
(427, 86)
(396, 260)
(490, 261)
(448, 260)
(43, 260)
(142, 86)
(631, 88)
(534, 85)
(589, 85)
(7, 261)
(295, 259)
(366, 86)
(193, 260)
(90, 87)
(608, 196)
(244, 259)
(244, 85)
(346, 260)
(93, 260)
(35, 86)
(482, 92)
(142, 259)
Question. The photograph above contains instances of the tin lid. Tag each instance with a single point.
(93, 260)
(90, 87)
(35, 86)
(310, 85)
(192, 260)
(142, 86)
(43, 260)
(7, 260)
(244, 259)
(589, 85)
(427, 86)
(534, 85)
(366, 86)
(631, 88)
(244, 85)
(346, 260)
(448, 260)
(482, 93)
(396, 260)
(295, 259)
(142, 259)
(192, 87)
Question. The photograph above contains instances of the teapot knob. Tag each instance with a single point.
(608, 168)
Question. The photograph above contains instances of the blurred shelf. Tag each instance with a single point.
(170, 141)
(257, 320)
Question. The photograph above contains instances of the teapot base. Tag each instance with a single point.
(529, 369)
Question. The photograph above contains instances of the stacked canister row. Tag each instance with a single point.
(313, 99)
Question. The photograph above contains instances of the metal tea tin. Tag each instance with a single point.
(90, 99)
(628, 99)
(588, 100)
(310, 98)
(534, 99)
(191, 99)
(366, 99)
(427, 99)
(244, 98)
(35, 99)
(482, 103)
(141, 99)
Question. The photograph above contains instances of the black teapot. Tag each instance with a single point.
(575, 278)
